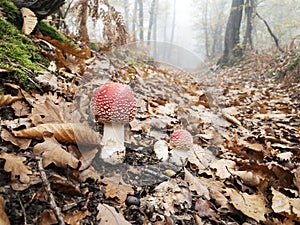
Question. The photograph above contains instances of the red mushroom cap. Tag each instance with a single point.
(181, 139)
(113, 102)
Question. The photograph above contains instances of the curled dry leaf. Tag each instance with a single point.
(3, 216)
(52, 152)
(107, 215)
(22, 143)
(15, 165)
(248, 178)
(253, 206)
(29, 20)
(64, 132)
(8, 99)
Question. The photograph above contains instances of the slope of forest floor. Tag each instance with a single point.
(244, 169)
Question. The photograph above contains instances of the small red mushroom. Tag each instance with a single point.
(114, 105)
(181, 142)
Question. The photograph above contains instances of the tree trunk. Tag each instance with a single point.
(173, 22)
(151, 18)
(134, 19)
(155, 21)
(249, 12)
(232, 50)
(126, 13)
(141, 19)
(205, 24)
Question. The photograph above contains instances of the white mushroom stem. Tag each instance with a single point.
(113, 142)
(180, 155)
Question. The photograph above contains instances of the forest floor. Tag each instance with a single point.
(244, 168)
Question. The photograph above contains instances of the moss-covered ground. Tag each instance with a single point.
(18, 53)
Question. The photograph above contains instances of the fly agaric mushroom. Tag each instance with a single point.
(114, 105)
(181, 142)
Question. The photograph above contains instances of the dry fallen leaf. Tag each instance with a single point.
(48, 79)
(47, 217)
(107, 215)
(8, 99)
(29, 20)
(22, 143)
(21, 109)
(75, 217)
(248, 178)
(204, 209)
(52, 152)
(297, 178)
(285, 205)
(116, 188)
(195, 184)
(253, 206)
(63, 185)
(223, 167)
(64, 132)
(15, 165)
(168, 195)
(3, 216)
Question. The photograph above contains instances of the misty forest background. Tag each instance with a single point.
(196, 25)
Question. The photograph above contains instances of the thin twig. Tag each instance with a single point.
(23, 210)
(48, 190)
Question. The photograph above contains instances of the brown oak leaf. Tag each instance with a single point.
(52, 152)
(15, 165)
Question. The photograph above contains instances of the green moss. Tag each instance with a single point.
(12, 13)
(20, 55)
(47, 30)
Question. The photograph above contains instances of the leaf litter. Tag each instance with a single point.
(244, 168)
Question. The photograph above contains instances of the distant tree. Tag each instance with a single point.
(134, 18)
(155, 15)
(232, 49)
(141, 19)
(173, 21)
(151, 19)
(250, 8)
(126, 13)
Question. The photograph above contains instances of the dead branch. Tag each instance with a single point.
(270, 32)
(48, 190)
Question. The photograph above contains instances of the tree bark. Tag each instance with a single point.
(126, 13)
(173, 22)
(151, 19)
(141, 19)
(250, 6)
(134, 19)
(232, 34)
